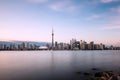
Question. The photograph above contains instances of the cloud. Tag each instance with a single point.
(107, 1)
(38, 1)
(112, 19)
(63, 5)
(93, 17)
(116, 9)
(113, 23)
(109, 27)
(58, 6)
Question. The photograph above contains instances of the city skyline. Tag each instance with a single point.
(32, 20)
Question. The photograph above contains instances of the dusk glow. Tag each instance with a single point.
(32, 20)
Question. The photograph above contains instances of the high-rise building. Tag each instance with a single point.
(31, 46)
(52, 39)
(1, 46)
(77, 45)
(56, 45)
(19, 47)
(28, 46)
(5, 46)
(72, 43)
(23, 45)
(91, 46)
(82, 45)
(48, 46)
(67, 46)
(11, 46)
(102, 47)
(62, 45)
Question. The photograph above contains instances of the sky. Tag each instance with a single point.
(33, 20)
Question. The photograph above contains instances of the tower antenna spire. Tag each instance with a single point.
(52, 30)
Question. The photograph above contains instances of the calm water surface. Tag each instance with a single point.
(54, 65)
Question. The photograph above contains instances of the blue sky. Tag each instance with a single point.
(32, 20)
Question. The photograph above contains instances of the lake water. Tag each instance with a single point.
(54, 65)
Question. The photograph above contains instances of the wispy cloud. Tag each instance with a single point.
(63, 5)
(114, 24)
(58, 6)
(93, 17)
(116, 9)
(38, 1)
(110, 27)
(107, 1)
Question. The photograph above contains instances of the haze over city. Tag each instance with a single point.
(33, 20)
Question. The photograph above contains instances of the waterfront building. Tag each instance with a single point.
(72, 43)
(83, 45)
(111, 47)
(56, 45)
(48, 46)
(59, 47)
(11, 46)
(5, 47)
(28, 46)
(23, 46)
(43, 48)
(86, 46)
(102, 47)
(62, 45)
(31, 46)
(19, 47)
(91, 46)
(77, 45)
(97, 47)
(1, 46)
(66, 46)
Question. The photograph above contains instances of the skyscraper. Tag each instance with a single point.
(1, 46)
(56, 45)
(52, 39)
(72, 43)
(28, 46)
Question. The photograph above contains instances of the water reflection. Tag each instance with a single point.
(54, 65)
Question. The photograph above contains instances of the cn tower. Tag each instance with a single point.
(52, 39)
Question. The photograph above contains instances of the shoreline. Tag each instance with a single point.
(97, 74)
(59, 50)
